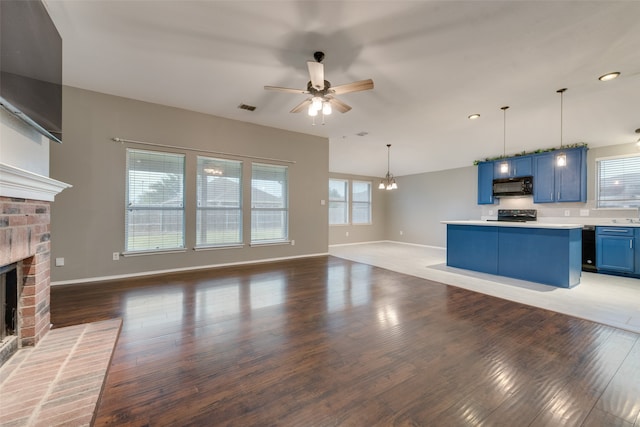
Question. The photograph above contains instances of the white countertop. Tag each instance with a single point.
(528, 224)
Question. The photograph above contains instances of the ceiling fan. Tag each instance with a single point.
(322, 99)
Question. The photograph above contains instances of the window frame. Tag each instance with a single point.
(598, 182)
(129, 208)
(347, 189)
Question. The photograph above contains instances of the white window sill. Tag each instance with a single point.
(217, 247)
(154, 252)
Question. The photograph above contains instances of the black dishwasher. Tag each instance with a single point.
(589, 248)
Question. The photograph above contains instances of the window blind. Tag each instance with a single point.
(154, 214)
(361, 202)
(338, 202)
(618, 182)
(269, 203)
(219, 202)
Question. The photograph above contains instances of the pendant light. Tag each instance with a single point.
(504, 166)
(561, 158)
(388, 182)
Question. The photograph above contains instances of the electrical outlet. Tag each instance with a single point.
(567, 212)
(490, 212)
(59, 262)
(584, 212)
(116, 256)
(346, 234)
(322, 202)
(293, 243)
(401, 232)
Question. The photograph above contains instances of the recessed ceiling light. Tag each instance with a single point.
(608, 76)
(474, 116)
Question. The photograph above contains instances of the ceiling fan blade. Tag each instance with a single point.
(301, 106)
(286, 89)
(339, 105)
(316, 74)
(353, 87)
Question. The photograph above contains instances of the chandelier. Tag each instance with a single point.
(388, 182)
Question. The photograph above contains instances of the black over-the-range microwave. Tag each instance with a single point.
(521, 186)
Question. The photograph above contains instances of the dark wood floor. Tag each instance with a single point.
(329, 342)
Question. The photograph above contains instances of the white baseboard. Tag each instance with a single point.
(388, 241)
(179, 270)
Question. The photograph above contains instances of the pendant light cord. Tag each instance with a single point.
(504, 132)
(561, 92)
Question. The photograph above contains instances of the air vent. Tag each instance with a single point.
(246, 107)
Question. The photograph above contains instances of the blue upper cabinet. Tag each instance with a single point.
(551, 183)
(517, 166)
(485, 183)
(567, 183)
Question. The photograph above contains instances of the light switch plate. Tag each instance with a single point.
(584, 212)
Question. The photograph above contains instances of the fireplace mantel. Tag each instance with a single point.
(20, 183)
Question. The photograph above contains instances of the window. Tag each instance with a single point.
(269, 203)
(618, 182)
(361, 202)
(155, 201)
(338, 202)
(219, 202)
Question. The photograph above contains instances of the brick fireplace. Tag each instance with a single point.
(24, 240)
(25, 204)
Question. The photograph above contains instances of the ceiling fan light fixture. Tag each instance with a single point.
(312, 111)
(473, 116)
(326, 108)
(316, 103)
(609, 76)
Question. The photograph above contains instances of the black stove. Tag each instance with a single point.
(516, 215)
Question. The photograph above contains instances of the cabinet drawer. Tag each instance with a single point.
(615, 231)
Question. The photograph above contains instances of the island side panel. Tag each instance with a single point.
(548, 256)
(473, 248)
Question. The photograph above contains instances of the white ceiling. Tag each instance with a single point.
(433, 63)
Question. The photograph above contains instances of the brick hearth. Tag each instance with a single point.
(24, 239)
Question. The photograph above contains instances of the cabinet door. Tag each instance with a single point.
(521, 166)
(544, 178)
(485, 183)
(615, 249)
(517, 167)
(570, 183)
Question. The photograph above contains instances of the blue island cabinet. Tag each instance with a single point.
(551, 256)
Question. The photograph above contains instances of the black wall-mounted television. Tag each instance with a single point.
(31, 66)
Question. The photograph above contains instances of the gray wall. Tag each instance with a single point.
(87, 221)
(358, 233)
(423, 200)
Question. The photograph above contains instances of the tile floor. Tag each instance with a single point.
(59, 381)
(606, 299)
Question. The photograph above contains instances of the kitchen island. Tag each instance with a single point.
(538, 252)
